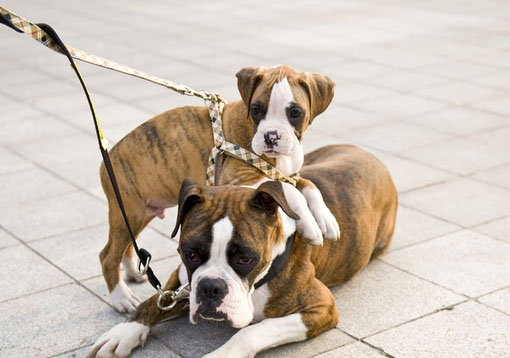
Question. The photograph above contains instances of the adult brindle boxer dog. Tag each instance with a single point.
(278, 104)
(231, 236)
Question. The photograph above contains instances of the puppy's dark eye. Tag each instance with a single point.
(192, 256)
(256, 111)
(245, 260)
(294, 113)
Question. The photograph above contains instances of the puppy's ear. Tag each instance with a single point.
(320, 89)
(190, 194)
(247, 81)
(269, 196)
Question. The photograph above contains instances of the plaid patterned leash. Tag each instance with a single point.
(213, 101)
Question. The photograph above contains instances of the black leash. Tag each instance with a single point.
(143, 255)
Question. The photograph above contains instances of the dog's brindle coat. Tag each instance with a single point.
(297, 303)
(153, 159)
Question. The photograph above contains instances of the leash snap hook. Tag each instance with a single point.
(182, 293)
(141, 268)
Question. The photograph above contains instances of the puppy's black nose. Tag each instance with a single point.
(271, 138)
(212, 290)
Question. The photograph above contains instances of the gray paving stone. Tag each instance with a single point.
(462, 156)
(75, 148)
(459, 70)
(458, 93)
(499, 176)
(405, 80)
(25, 272)
(339, 119)
(499, 300)
(396, 137)
(461, 121)
(498, 138)
(52, 216)
(7, 240)
(465, 262)
(469, 330)
(382, 296)
(351, 91)
(500, 79)
(408, 175)
(77, 252)
(499, 229)
(356, 69)
(322, 343)
(480, 202)
(12, 162)
(59, 320)
(33, 129)
(15, 110)
(498, 105)
(401, 106)
(30, 185)
(354, 350)
(413, 227)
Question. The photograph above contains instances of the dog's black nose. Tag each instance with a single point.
(212, 290)
(271, 138)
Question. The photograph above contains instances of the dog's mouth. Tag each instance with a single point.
(271, 153)
(215, 318)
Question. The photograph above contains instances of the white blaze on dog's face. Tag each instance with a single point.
(218, 292)
(278, 124)
(229, 237)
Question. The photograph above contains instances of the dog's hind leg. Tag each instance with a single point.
(119, 242)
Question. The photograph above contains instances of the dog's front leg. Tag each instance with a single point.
(268, 333)
(325, 219)
(119, 341)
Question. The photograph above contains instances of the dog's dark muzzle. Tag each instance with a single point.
(210, 293)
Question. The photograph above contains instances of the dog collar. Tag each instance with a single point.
(278, 262)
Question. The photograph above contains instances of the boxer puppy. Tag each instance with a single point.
(278, 104)
(231, 236)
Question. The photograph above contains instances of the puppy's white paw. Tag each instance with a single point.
(123, 299)
(119, 341)
(308, 229)
(327, 222)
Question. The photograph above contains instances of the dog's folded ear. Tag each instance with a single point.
(320, 89)
(269, 196)
(248, 78)
(190, 194)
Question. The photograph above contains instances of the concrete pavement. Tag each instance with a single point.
(425, 86)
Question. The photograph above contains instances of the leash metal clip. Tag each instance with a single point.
(142, 269)
(180, 294)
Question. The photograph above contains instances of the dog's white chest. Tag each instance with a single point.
(259, 299)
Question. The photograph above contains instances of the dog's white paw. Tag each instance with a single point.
(309, 230)
(327, 222)
(119, 341)
(123, 299)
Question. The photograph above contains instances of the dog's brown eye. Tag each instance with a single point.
(191, 256)
(245, 260)
(256, 111)
(294, 113)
